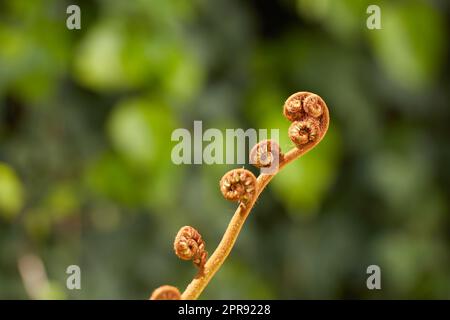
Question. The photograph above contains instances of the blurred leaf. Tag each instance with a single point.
(37, 223)
(410, 45)
(97, 63)
(117, 56)
(139, 128)
(111, 177)
(344, 18)
(31, 58)
(11, 192)
(62, 202)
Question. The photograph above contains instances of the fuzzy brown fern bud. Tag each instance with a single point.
(293, 107)
(309, 116)
(238, 185)
(304, 131)
(189, 245)
(313, 105)
(166, 293)
(303, 104)
(265, 154)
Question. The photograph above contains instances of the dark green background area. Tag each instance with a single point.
(86, 118)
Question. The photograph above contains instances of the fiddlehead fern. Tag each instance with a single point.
(310, 119)
(189, 245)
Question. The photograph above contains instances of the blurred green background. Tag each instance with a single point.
(86, 118)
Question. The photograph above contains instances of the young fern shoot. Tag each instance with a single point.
(310, 120)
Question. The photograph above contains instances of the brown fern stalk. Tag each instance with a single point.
(310, 119)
